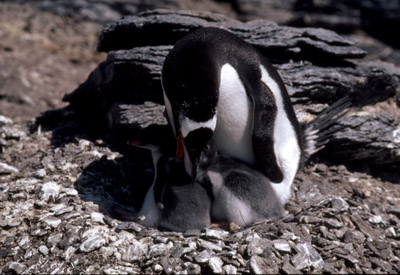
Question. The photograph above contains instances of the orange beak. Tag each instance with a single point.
(179, 147)
(134, 143)
(180, 153)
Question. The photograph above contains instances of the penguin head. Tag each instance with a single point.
(191, 146)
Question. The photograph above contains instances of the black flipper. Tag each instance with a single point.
(265, 111)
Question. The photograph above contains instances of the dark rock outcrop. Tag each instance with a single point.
(317, 66)
(164, 27)
(378, 17)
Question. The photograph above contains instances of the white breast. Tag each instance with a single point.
(286, 145)
(233, 133)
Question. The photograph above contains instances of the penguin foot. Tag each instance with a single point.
(123, 214)
(230, 226)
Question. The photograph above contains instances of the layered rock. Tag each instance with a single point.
(318, 67)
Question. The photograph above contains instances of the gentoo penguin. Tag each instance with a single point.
(217, 85)
(240, 194)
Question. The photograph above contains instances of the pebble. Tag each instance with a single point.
(57, 207)
(192, 268)
(50, 190)
(354, 236)
(349, 258)
(390, 232)
(289, 236)
(68, 253)
(203, 256)
(158, 268)
(306, 257)
(215, 234)
(68, 166)
(52, 221)
(40, 204)
(54, 239)
(107, 251)
(210, 245)
(230, 269)
(24, 243)
(70, 192)
(92, 243)
(259, 265)
(38, 232)
(97, 217)
(282, 245)
(71, 215)
(95, 230)
(5, 120)
(340, 233)
(63, 211)
(7, 253)
(40, 174)
(376, 219)
(14, 268)
(289, 269)
(13, 221)
(43, 250)
(192, 233)
(7, 169)
(191, 246)
(310, 220)
(161, 239)
(215, 264)
(331, 223)
(19, 196)
(339, 204)
(257, 247)
(325, 233)
(160, 249)
(135, 252)
(129, 226)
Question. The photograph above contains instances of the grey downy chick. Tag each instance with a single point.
(173, 202)
(186, 204)
(241, 194)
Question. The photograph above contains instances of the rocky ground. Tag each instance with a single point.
(65, 192)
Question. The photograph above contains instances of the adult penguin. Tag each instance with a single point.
(217, 85)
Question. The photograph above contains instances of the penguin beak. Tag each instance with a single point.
(194, 143)
(180, 152)
(135, 143)
(193, 170)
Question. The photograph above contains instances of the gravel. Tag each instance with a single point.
(61, 223)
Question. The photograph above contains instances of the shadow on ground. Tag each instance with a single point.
(117, 184)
